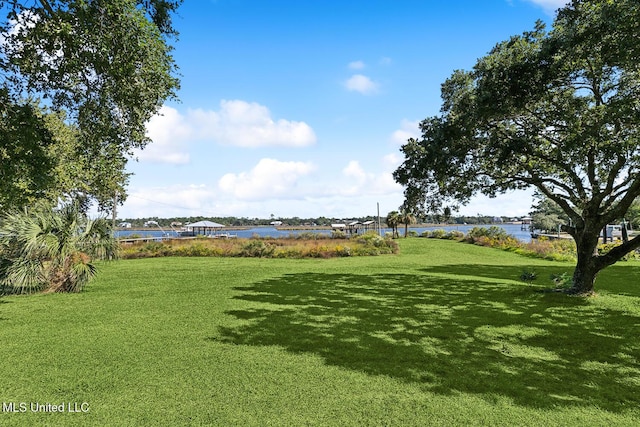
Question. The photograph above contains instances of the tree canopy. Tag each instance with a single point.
(557, 110)
(84, 74)
(546, 215)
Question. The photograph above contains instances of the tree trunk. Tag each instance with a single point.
(584, 276)
(587, 267)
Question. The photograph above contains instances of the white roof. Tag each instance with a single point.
(205, 224)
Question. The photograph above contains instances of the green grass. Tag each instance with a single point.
(444, 333)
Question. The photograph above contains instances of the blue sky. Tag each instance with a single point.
(299, 108)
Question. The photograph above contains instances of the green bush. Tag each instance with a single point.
(528, 276)
(342, 251)
(454, 235)
(493, 232)
(257, 249)
(438, 234)
(604, 248)
(371, 239)
(290, 253)
(367, 251)
(562, 281)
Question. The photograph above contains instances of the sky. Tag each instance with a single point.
(299, 108)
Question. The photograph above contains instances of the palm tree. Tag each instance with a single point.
(406, 217)
(393, 219)
(42, 249)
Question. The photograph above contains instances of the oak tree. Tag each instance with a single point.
(557, 110)
(103, 68)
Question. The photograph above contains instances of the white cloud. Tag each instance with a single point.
(550, 6)
(236, 123)
(269, 179)
(385, 60)
(392, 161)
(169, 132)
(361, 83)
(244, 124)
(361, 183)
(356, 65)
(175, 200)
(408, 129)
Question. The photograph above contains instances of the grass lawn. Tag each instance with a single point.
(442, 334)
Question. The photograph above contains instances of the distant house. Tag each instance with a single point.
(124, 225)
(205, 228)
(275, 223)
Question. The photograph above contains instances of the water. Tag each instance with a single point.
(514, 230)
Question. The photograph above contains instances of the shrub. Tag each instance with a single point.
(371, 239)
(197, 250)
(257, 248)
(493, 232)
(366, 251)
(562, 281)
(606, 247)
(342, 251)
(528, 276)
(51, 249)
(438, 234)
(280, 248)
(553, 250)
(289, 253)
(454, 235)
(307, 235)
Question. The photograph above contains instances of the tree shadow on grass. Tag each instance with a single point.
(451, 335)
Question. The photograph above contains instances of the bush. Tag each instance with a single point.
(438, 234)
(493, 233)
(562, 281)
(528, 276)
(338, 234)
(606, 247)
(342, 251)
(454, 235)
(257, 248)
(292, 247)
(293, 253)
(371, 239)
(197, 250)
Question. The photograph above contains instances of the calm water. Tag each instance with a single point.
(514, 230)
